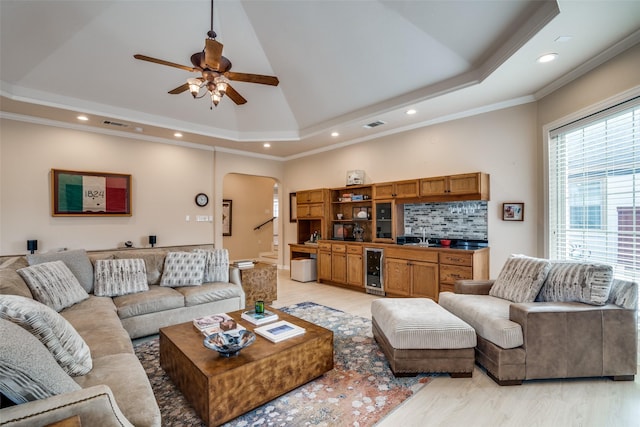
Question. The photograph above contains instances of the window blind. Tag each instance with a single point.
(594, 189)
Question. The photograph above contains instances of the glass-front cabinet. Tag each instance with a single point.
(384, 218)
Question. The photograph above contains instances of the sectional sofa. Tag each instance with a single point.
(542, 319)
(67, 320)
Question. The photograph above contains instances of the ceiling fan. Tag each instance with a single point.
(215, 72)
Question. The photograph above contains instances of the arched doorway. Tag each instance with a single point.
(254, 226)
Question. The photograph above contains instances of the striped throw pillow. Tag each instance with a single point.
(216, 267)
(115, 277)
(53, 284)
(53, 330)
(578, 282)
(521, 278)
(27, 370)
(183, 269)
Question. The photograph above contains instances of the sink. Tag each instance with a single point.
(424, 245)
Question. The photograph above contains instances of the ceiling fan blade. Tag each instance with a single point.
(162, 62)
(235, 96)
(179, 89)
(212, 53)
(252, 78)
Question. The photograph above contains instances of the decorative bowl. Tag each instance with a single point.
(445, 242)
(229, 344)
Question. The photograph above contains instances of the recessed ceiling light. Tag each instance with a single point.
(547, 58)
(411, 112)
(83, 118)
(177, 135)
(334, 134)
(266, 145)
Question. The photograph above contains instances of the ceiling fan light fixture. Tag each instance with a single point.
(216, 97)
(194, 86)
(221, 83)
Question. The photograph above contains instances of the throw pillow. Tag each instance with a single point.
(624, 293)
(183, 269)
(27, 370)
(521, 278)
(53, 284)
(77, 260)
(115, 277)
(54, 331)
(216, 268)
(577, 281)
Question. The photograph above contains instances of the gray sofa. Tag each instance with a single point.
(568, 320)
(116, 390)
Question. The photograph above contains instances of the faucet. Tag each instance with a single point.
(424, 236)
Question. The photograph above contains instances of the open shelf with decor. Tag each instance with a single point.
(351, 205)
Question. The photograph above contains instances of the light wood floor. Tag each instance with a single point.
(478, 401)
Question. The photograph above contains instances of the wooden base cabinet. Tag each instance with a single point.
(355, 266)
(341, 263)
(324, 261)
(411, 272)
(458, 265)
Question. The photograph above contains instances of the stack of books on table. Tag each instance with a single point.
(259, 318)
(243, 264)
(214, 323)
(279, 331)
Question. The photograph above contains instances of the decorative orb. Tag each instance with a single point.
(229, 345)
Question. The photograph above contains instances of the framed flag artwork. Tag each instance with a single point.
(90, 193)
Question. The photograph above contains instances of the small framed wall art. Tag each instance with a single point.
(293, 206)
(513, 211)
(76, 193)
(227, 212)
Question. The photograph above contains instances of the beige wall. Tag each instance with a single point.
(165, 180)
(501, 143)
(252, 204)
(614, 81)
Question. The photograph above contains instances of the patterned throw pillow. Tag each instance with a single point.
(53, 284)
(521, 278)
(115, 277)
(183, 269)
(577, 281)
(624, 293)
(27, 370)
(77, 260)
(216, 268)
(53, 330)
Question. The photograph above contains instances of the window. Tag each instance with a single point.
(594, 189)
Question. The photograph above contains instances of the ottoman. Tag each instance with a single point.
(417, 335)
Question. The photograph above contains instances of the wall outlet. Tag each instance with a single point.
(187, 218)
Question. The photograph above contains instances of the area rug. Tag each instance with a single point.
(359, 391)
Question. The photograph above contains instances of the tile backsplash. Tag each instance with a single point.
(455, 220)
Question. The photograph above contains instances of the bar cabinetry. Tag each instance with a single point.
(411, 272)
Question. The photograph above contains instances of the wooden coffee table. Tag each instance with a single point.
(221, 389)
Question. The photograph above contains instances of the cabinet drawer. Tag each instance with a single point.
(354, 249)
(451, 273)
(412, 254)
(339, 248)
(324, 246)
(456, 258)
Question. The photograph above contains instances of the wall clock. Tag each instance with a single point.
(202, 199)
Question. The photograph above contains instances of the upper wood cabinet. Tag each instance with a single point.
(468, 186)
(396, 189)
(312, 196)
